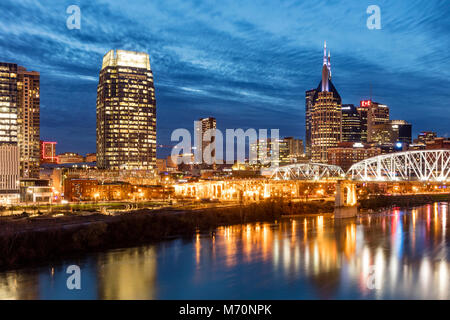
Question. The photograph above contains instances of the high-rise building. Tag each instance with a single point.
(372, 115)
(28, 120)
(309, 96)
(271, 152)
(201, 127)
(9, 153)
(8, 103)
(363, 111)
(382, 134)
(402, 131)
(295, 148)
(126, 112)
(351, 123)
(391, 132)
(326, 115)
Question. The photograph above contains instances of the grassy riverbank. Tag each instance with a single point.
(33, 240)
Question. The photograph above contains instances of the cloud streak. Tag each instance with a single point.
(248, 64)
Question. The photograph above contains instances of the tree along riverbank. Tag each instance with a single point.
(34, 240)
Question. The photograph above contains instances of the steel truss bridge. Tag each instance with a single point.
(308, 171)
(420, 165)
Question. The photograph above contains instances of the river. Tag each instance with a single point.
(399, 254)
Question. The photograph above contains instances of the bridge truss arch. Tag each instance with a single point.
(308, 171)
(417, 165)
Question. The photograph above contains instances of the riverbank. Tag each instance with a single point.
(32, 240)
(381, 202)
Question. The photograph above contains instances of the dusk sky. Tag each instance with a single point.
(246, 63)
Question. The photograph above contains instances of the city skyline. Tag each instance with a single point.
(237, 64)
(221, 151)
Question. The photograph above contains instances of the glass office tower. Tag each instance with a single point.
(126, 112)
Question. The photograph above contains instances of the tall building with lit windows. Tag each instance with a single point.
(126, 112)
(28, 120)
(8, 103)
(201, 127)
(373, 116)
(19, 115)
(9, 153)
(325, 115)
(309, 96)
(351, 124)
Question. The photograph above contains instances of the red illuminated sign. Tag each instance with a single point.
(365, 103)
(48, 151)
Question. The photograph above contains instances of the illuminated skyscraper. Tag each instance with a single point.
(8, 103)
(9, 153)
(373, 116)
(271, 152)
(309, 96)
(126, 112)
(351, 124)
(326, 115)
(201, 127)
(295, 149)
(28, 120)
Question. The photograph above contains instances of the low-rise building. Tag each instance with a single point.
(48, 152)
(348, 153)
(9, 174)
(91, 157)
(35, 191)
(438, 143)
(70, 157)
(85, 189)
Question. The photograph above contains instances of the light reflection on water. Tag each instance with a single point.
(403, 254)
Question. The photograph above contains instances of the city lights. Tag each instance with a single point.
(217, 151)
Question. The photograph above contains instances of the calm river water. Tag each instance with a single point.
(401, 254)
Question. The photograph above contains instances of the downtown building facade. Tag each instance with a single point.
(204, 137)
(323, 115)
(277, 152)
(126, 112)
(350, 133)
(19, 128)
(348, 153)
(28, 121)
(351, 123)
(373, 116)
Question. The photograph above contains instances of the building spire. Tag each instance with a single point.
(329, 63)
(325, 52)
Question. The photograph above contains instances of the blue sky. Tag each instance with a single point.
(247, 64)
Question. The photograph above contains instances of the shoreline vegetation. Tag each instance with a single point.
(39, 239)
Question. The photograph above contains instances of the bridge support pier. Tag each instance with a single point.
(345, 204)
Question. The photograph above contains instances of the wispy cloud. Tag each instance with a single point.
(248, 63)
